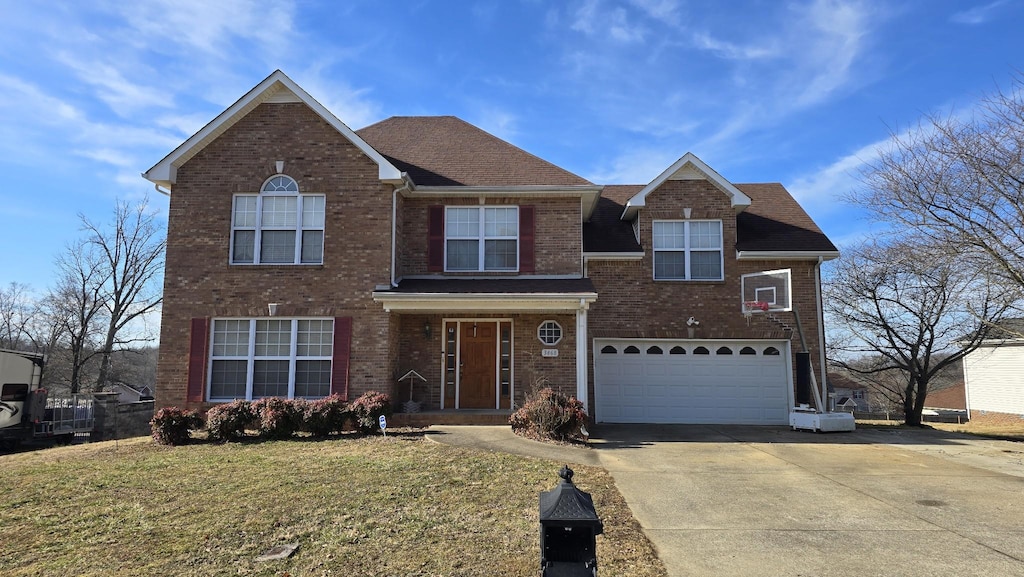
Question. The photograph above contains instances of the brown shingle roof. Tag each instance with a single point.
(605, 232)
(447, 151)
(775, 221)
(495, 286)
(949, 398)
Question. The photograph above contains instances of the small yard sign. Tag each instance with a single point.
(384, 425)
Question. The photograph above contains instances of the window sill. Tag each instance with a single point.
(274, 266)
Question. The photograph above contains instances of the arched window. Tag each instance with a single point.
(723, 351)
(609, 350)
(771, 351)
(748, 351)
(677, 351)
(701, 351)
(631, 350)
(278, 226)
(655, 350)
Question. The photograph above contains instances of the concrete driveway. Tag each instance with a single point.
(766, 501)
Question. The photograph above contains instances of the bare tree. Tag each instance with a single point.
(15, 316)
(904, 311)
(75, 307)
(960, 182)
(130, 252)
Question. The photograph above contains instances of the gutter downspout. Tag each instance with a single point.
(821, 332)
(394, 223)
(161, 190)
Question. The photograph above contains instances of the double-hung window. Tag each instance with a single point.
(482, 238)
(688, 250)
(278, 226)
(255, 358)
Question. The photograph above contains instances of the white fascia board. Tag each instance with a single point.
(504, 302)
(524, 190)
(785, 255)
(739, 200)
(613, 256)
(164, 173)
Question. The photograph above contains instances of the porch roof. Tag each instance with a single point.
(490, 295)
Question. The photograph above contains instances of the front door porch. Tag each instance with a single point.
(477, 367)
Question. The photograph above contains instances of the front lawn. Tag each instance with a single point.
(395, 506)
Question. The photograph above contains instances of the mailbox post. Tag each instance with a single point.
(569, 527)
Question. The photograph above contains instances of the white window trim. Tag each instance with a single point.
(251, 357)
(688, 251)
(481, 238)
(561, 332)
(258, 228)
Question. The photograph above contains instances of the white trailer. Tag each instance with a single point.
(26, 409)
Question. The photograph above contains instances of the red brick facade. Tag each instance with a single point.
(201, 285)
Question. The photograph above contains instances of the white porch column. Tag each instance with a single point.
(581, 356)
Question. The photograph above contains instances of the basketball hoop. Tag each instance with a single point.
(749, 307)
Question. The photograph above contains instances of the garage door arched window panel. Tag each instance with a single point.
(701, 351)
(677, 351)
(609, 350)
(278, 226)
(723, 351)
(654, 350)
(688, 250)
(748, 351)
(771, 351)
(549, 333)
(631, 350)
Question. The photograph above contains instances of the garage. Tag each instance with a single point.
(692, 381)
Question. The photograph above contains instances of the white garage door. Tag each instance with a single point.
(711, 382)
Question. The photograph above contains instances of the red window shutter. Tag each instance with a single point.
(199, 347)
(342, 353)
(435, 238)
(527, 217)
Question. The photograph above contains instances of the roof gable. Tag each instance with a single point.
(689, 167)
(446, 151)
(276, 88)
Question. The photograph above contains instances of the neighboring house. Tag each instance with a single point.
(304, 258)
(953, 397)
(848, 394)
(131, 394)
(994, 376)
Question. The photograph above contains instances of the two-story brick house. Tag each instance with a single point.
(304, 258)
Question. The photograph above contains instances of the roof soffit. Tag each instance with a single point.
(689, 167)
(276, 88)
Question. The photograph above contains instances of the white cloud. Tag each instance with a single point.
(635, 166)
(499, 122)
(731, 51)
(831, 183)
(835, 31)
(121, 95)
(593, 19)
(978, 14)
(667, 11)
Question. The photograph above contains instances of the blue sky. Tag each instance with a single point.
(798, 92)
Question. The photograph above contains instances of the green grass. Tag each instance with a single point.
(401, 506)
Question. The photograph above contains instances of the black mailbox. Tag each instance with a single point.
(569, 527)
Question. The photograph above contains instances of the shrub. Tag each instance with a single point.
(549, 415)
(323, 416)
(276, 418)
(228, 422)
(171, 425)
(367, 409)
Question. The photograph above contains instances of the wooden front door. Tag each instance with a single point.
(478, 342)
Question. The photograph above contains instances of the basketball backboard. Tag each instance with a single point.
(766, 291)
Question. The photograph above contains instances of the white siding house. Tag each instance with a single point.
(994, 378)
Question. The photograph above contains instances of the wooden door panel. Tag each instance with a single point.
(478, 342)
